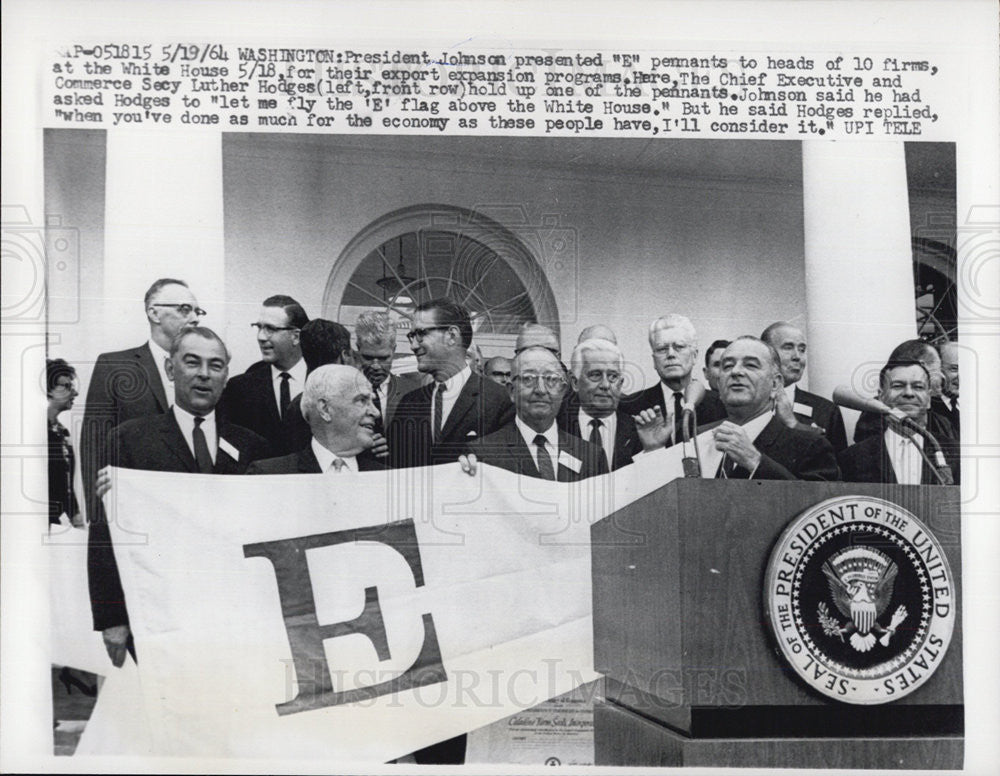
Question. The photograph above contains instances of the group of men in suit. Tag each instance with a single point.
(314, 404)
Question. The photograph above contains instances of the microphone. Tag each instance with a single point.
(693, 395)
(845, 397)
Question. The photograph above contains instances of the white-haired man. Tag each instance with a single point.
(596, 374)
(337, 404)
(375, 337)
(674, 343)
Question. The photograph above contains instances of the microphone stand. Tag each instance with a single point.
(939, 466)
(689, 427)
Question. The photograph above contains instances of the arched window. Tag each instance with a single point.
(426, 251)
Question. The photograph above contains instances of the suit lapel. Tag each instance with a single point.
(768, 437)
(623, 440)
(265, 391)
(175, 444)
(465, 403)
(147, 362)
(525, 461)
(307, 462)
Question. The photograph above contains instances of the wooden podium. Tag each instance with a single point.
(693, 676)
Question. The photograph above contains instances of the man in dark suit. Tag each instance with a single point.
(592, 413)
(946, 404)
(375, 336)
(532, 444)
(132, 383)
(871, 424)
(674, 343)
(337, 404)
(322, 342)
(60, 381)
(435, 423)
(189, 438)
(752, 443)
(794, 405)
(259, 398)
(895, 455)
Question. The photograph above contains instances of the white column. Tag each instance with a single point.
(164, 218)
(859, 266)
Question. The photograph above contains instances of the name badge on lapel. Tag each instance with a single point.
(802, 409)
(228, 449)
(571, 463)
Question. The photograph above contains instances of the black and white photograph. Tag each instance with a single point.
(569, 396)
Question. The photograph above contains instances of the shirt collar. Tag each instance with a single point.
(325, 458)
(755, 426)
(159, 354)
(894, 440)
(528, 434)
(608, 421)
(790, 393)
(297, 372)
(456, 382)
(186, 419)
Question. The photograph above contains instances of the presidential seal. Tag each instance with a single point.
(860, 599)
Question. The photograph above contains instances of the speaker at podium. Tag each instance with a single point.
(780, 624)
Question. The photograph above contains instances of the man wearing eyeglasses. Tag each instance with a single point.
(592, 412)
(259, 399)
(133, 383)
(533, 444)
(674, 343)
(497, 369)
(434, 423)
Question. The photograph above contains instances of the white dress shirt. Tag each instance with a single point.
(186, 421)
(452, 388)
(551, 442)
(326, 459)
(711, 457)
(160, 357)
(607, 429)
(907, 463)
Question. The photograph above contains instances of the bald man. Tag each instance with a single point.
(807, 408)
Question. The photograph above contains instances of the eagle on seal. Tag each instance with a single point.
(861, 581)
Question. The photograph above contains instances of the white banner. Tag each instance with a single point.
(278, 616)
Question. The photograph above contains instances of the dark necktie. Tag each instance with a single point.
(379, 426)
(595, 435)
(201, 454)
(438, 411)
(728, 469)
(284, 394)
(678, 416)
(545, 470)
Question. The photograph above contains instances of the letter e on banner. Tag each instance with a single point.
(306, 634)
